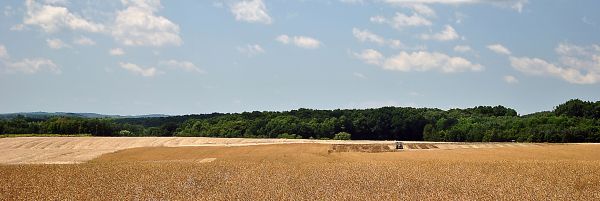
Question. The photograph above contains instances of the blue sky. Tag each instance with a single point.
(187, 56)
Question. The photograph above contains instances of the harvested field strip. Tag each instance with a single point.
(419, 146)
(367, 148)
(52, 150)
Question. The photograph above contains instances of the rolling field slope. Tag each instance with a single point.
(311, 172)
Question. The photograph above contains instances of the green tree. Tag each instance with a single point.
(342, 136)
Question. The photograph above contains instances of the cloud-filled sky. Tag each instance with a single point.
(188, 56)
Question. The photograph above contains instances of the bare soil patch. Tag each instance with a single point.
(366, 148)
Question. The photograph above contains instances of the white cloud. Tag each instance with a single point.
(34, 65)
(536, 66)
(251, 50)
(447, 34)
(533, 66)
(517, 4)
(510, 79)
(462, 48)
(426, 61)
(422, 9)
(138, 25)
(378, 19)
(579, 57)
(116, 52)
(82, 40)
(300, 41)
(285, 39)
(396, 44)
(400, 20)
(367, 36)
(499, 49)
(306, 42)
(135, 69)
(418, 61)
(577, 64)
(53, 18)
(253, 11)
(183, 65)
(370, 56)
(27, 65)
(56, 43)
(151, 5)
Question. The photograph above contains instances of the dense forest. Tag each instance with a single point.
(573, 121)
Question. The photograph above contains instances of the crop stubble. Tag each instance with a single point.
(309, 172)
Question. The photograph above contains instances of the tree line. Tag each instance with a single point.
(572, 121)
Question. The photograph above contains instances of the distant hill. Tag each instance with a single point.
(46, 115)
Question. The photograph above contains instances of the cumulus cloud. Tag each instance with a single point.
(138, 70)
(370, 56)
(462, 48)
(251, 50)
(425, 61)
(82, 40)
(419, 61)
(253, 11)
(499, 49)
(510, 79)
(34, 65)
(56, 43)
(183, 65)
(116, 52)
(576, 64)
(52, 18)
(306, 42)
(401, 20)
(367, 36)
(422, 9)
(300, 41)
(285, 39)
(138, 25)
(27, 65)
(447, 34)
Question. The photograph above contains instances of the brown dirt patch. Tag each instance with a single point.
(365, 148)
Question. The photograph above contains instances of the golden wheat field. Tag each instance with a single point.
(313, 172)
